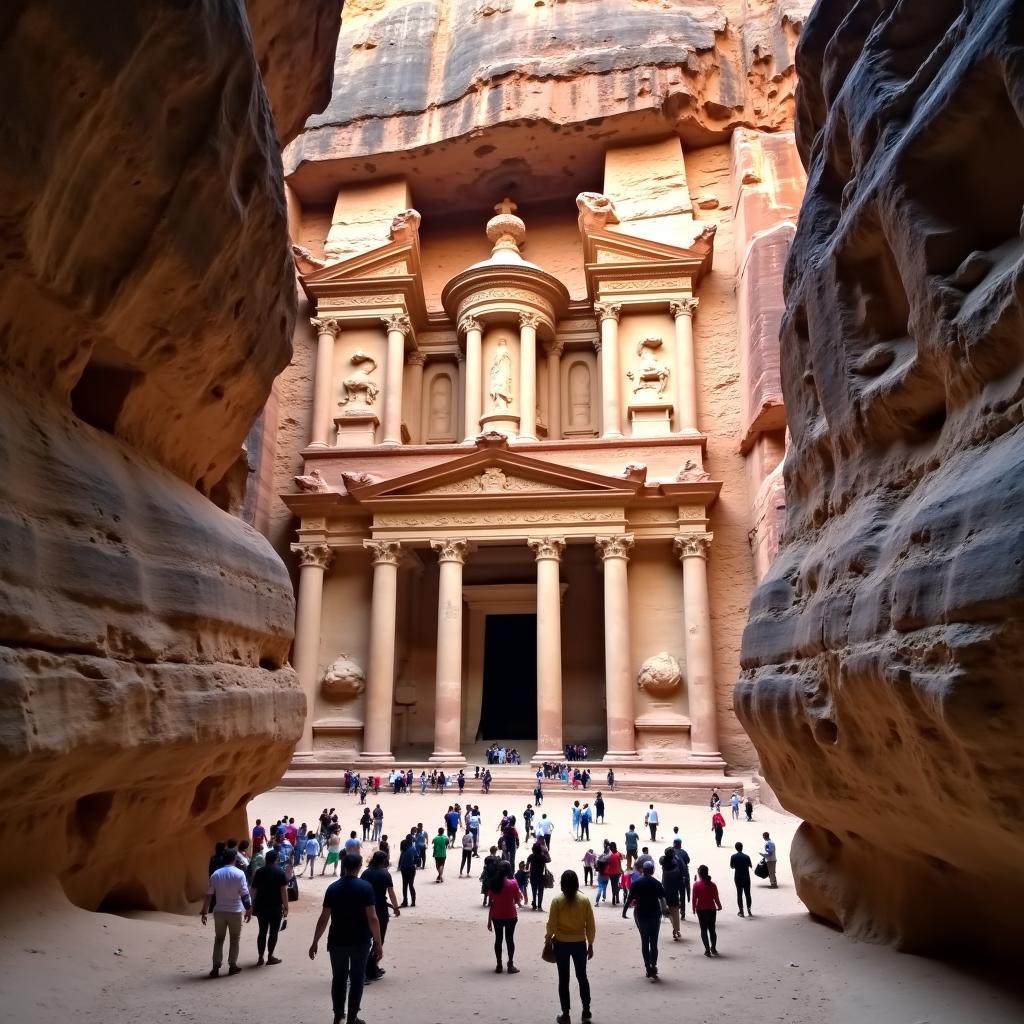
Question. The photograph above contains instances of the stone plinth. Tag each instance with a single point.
(651, 419)
(356, 429)
(503, 422)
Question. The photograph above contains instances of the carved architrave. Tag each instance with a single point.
(651, 284)
(607, 310)
(493, 481)
(317, 556)
(451, 549)
(546, 547)
(618, 546)
(693, 545)
(326, 325)
(436, 520)
(468, 323)
(397, 322)
(530, 320)
(684, 307)
(385, 552)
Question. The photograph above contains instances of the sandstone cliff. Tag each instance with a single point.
(881, 678)
(146, 304)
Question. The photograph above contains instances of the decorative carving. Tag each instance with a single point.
(596, 211)
(546, 547)
(355, 479)
(360, 391)
(305, 261)
(651, 375)
(693, 545)
(607, 310)
(416, 358)
(385, 552)
(647, 284)
(468, 323)
(451, 549)
(439, 520)
(384, 299)
(660, 675)
(319, 556)
(343, 679)
(404, 226)
(635, 471)
(312, 483)
(530, 320)
(684, 307)
(554, 348)
(618, 546)
(500, 377)
(397, 322)
(326, 326)
(506, 230)
(691, 473)
(491, 439)
(492, 481)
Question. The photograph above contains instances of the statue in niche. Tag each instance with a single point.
(501, 378)
(441, 406)
(360, 391)
(579, 395)
(651, 374)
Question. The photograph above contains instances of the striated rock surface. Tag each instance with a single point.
(146, 303)
(882, 660)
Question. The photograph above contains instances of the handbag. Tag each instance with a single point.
(549, 879)
(547, 954)
(761, 870)
(293, 889)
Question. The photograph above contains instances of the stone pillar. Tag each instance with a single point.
(686, 365)
(548, 552)
(460, 419)
(692, 550)
(554, 352)
(380, 674)
(323, 383)
(451, 556)
(314, 560)
(398, 326)
(415, 361)
(528, 376)
(600, 389)
(611, 411)
(619, 685)
(474, 370)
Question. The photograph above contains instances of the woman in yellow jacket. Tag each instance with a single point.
(571, 929)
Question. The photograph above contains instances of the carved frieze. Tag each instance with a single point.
(647, 284)
(493, 480)
(435, 520)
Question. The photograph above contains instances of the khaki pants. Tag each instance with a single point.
(771, 872)
(229, 922)
(673, 913)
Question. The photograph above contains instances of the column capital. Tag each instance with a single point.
(385, 552)
(546, 547)
(451, 549)
(319, 556)
(397, 322)
(460, 356)
(684, 307)
(617, 546)
(554, 348)
(530, 320)
(597, 345)
(416, 358)
(693, 545)
(326, 326)
(469, 323)
(608, 310)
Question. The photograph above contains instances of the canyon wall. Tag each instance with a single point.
(882, 660)
(147, 299)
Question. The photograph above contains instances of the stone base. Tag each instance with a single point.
(356, 429)
(651, 419)
(441, 757)
(372, 757)
(341, 736)
(503, 422)
(621, 755)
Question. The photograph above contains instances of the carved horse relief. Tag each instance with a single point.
(360, 390)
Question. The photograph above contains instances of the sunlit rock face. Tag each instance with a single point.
(146, 304)
(882, 661)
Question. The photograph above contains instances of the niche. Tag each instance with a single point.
(439, 406)
(578, 418)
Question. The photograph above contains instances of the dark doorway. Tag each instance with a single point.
(509, 707)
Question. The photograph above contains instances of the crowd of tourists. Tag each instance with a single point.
(258, 877)
(502, 755)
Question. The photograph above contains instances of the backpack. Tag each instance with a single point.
(602, 863)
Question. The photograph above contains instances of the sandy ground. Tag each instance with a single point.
(61, 963)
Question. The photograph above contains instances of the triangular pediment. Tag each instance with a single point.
(604, 246)
(391, 260)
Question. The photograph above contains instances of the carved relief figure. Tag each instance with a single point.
(501, 377)
(441, 406)
(579, 395)
(360, 390)
(312, 483)
(343, 679)
(596, 211)
(651, 374)
(660, 675)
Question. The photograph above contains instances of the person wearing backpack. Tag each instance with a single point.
(537, 864)
(408, 861)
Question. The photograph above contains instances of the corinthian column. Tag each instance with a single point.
(611, 412)
(692, 550)
(548, 552)
(619, 686)
(474, 371)
(323, 382)
(314, 560)
(415, 361)
(451, 555)
(528, 323)
(686, 366)
(398, 326)
(380, 674)
(554, 352)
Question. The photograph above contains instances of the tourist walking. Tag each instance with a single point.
(451, 819)
(537, 864)
(354, 936)
(378, 822)
(718, 826)
(632, 845)
(706, 905)
(647, 894)
(384, 901)
(741, 865)
(440, 853)
(671, 879)
(544, 829)
(748, 806)
(270, 905)
(538, 794)
(683, 860)
(333, 851)
(611, 779)
(367, 823)
(576, 815)
(408, 861)
(651, 821)
(734, 803)
(312, 851)
(473, 824)
(229, 892)
(599, 808)
(571, 931)
(769, 859)
(586, 816)
(502, 916)
(613, 871)
(716, 801)
(468, 846)
(589, 860)
(421, 844)
(601, 866)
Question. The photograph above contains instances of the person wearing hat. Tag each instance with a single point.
(647, 894)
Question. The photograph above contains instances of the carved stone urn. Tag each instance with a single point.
(660, 675)
(343, 679)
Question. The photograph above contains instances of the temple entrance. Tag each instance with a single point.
(509, 706)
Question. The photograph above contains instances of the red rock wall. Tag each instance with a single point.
(882, 660)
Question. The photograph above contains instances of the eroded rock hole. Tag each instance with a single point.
(89, 815)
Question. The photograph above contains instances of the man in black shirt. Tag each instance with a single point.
(349, 909)
(379, 877)
(270, 905)
(741, 865)
(649, 896)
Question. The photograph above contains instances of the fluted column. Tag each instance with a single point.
(314, 561)
(686, 365)
(692, 550)
(323, 382)
(548, 552)
(451, 556)
(380, 673)
(415, 361)
(600, 388)
(554, 352)
(528, 323)
(474, 370)
(611, 411)
(398, 326)
(460, 419)
(619, 684)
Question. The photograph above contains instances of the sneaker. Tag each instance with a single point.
(707, 952)
(654, 972)
(714, 952)
(587, 1015)
(741, 914)
(235, 969)
(512, 970)
(214, 973)
(273, 960)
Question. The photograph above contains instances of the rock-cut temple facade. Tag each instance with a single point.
(526, 460)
